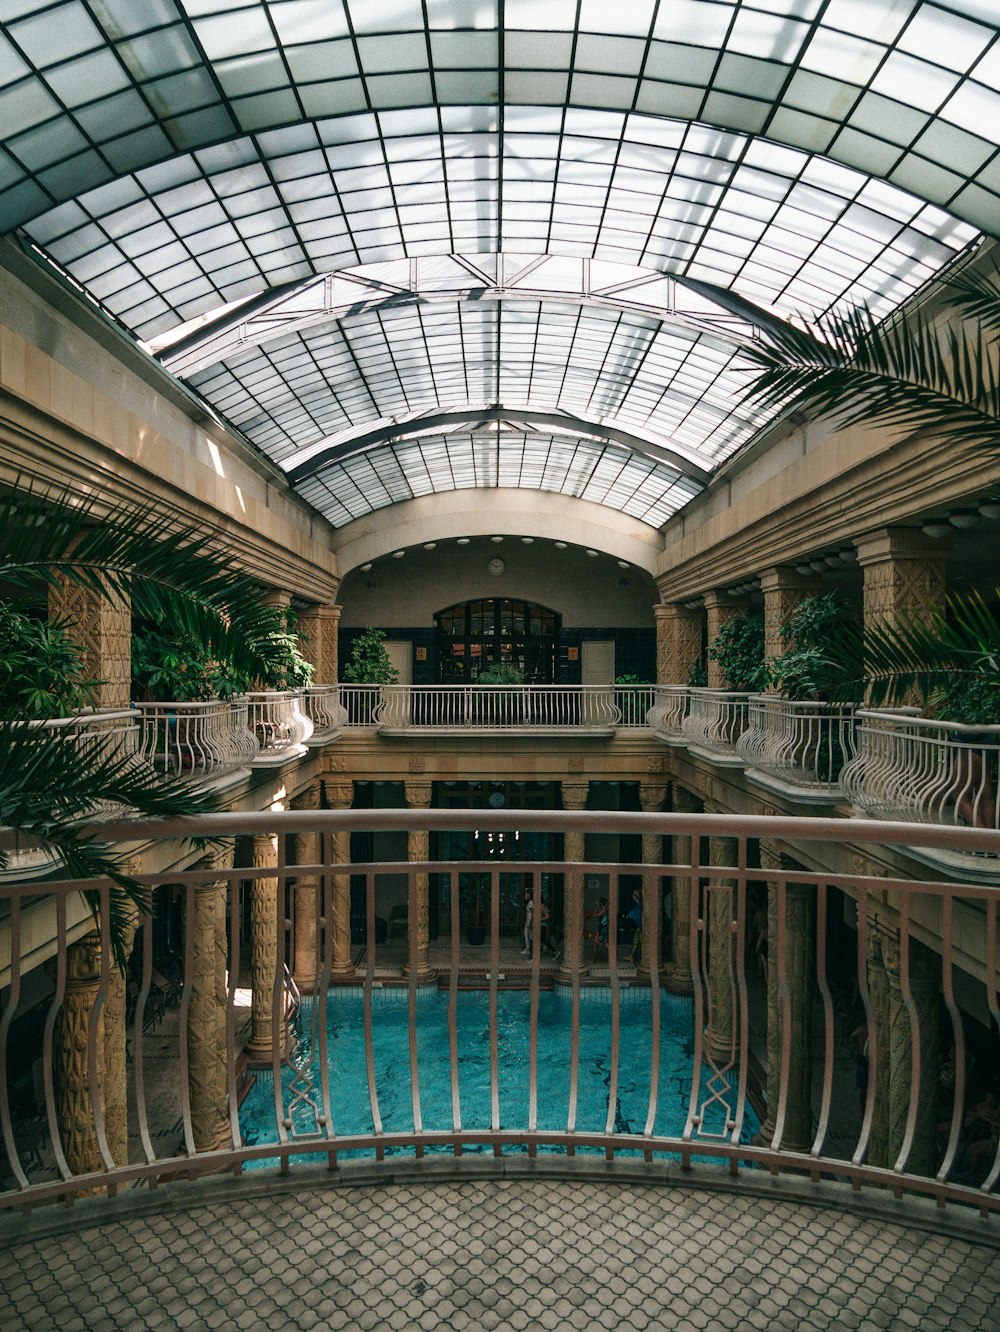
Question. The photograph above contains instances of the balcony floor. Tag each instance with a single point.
(494, 1253)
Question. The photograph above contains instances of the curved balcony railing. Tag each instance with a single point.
(322, 705)
(669, 708)
(468, 708)
(715, 721)
(197, 740)
(633, 703)
(923, 771)
(417, 1081)
(801, 744)
(277, 722)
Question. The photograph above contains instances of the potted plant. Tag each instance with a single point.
(368, 664)
(502, 705)
(41, 668)
(739, 650)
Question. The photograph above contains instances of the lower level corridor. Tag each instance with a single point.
(497, 1253)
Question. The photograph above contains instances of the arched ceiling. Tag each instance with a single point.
(493, 189)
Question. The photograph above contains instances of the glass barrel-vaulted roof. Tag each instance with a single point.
(178, 155)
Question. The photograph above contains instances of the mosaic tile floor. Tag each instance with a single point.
(518, 1254)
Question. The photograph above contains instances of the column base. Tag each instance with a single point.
(262, 1056)
(677, 982)
(764, 1135)
(721, 1052)
(564, 976)
(425, 975)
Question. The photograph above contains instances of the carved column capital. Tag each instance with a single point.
(308, 797)
(339, 795)
(418, 794)
(574, 794)
(652, 797)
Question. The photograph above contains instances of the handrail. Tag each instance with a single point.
(895, 915)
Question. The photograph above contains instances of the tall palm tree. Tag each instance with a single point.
(170, 572)
(933, 368)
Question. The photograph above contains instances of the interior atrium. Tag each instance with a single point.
(599, 358)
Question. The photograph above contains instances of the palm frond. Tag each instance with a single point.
(171, 571)
(53, 780)
(912, 373)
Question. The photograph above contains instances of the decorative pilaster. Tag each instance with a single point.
(651, 800)
(925, 991)
(340, 795)
(574, 796)
(306, 849)
(783, 589)
(263, 957)
(102, 627)
(721, 954)
(418, 796)
(678, 642)
(319, 627)
(74, 1102)
(206, 1046)
(904, 574)
(799, 973)
(678, 978)
(719, 609)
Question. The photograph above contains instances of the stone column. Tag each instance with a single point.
(102, 627)
(418, 796)
(904, 576)
(574, 796)
(651, 798)
(340, 795)
(206, 1025)
(799, 977)
(306, 849)
(319, 628)
(783, 589)
(74, 1102)
(115, 1079)
(925, 991)
(263, 957)
(678, 642)
(721, 954)
(678, 978)
(720, 609)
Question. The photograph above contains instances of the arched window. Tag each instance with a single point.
(476, 635)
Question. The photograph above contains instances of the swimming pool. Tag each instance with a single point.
(348, 1081)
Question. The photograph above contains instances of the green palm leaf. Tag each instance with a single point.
(52, 780)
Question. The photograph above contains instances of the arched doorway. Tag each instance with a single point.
(475, 635)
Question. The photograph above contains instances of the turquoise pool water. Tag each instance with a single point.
(349, 1085)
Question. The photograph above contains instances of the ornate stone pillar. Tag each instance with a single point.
(651, 800)
(783, 589)
(319, 628)
(678, 642)
(678, 978)
(263, 957)
(418, 796)
(206, 1043)
(904, 576)
(799, 975)
(720, 609)
(574, 796)
(102, 627)
(925, 991)
(74, 1102)
(306, 849)
(115, 1078)
(340, 795)
(722, 851)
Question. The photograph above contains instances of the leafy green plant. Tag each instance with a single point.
(739, 650)
(807, 670)
(698, 679)
(41, 668)
(501, 673)
(369, 662)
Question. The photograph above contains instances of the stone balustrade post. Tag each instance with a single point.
(73, 1092)
(206, 1023)
(418, 796)
(115, 1079)
(574, 796)
(721, 954)
(924, 985)
(264, 959)
(340, 795)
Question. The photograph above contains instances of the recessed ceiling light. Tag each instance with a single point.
(497, 540)
(560, 545)
(939, 528)
(366, 567)
(527, 541)
(964, 520)
(591, 553)
(398, 554)
(462, 541)
(430, 545)
(623, 564)
(990, 510)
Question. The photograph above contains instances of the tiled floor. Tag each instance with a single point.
(518, 1254)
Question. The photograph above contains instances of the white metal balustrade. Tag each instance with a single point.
(276, 720)
(669, 708)
(197, 740)
(923, 1152)
(924, 771)
(801, 744)
(464, 709)
(715, 721)
(322, 705)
